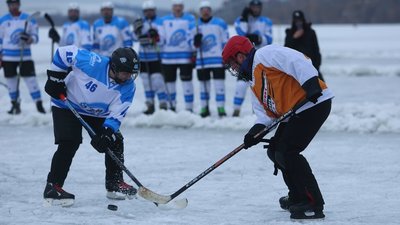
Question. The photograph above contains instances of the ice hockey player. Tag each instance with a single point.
(176, 38)
(101, 90)
(15, 52)
(280, 78)
(211, 34)
(258, 29)
(146, 32)
(110, 32)
(75, 31)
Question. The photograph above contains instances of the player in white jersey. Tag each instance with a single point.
(146, 32)
(210, 36)
(75, 31)
(110, 32)
(101, 90)
(259, 31)
(17, 32)
(176, 38)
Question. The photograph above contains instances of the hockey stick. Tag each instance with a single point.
(262, 133)
(142, 190)
(50, 20)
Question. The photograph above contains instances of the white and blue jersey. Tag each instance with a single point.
(109, 36)
(260, 25)
(10, 31)
(176, 38)
(76, 33)
(149, 53)
(215, 35)
(89, 88)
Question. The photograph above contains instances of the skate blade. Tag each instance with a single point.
(307, 216)
(58, 202)
(119, 196)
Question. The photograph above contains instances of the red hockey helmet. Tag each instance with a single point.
(236, 44)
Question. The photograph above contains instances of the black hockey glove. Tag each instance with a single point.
(153, 34)
(24, 37)
(254, 38)
(138, 26)
(55, 85)
(245, 14)
(53, 35)
(313, 89)
(197, 40)
(104, 140)
(249, 139)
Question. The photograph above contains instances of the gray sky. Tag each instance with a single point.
(94, 5)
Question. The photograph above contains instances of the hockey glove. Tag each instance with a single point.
(245, 14)
(153, 34)
(249, 139)
(55, 85)
(104, 140)
(254, 38)
(197, 40)
(53, 35)
(313, 89)
(25, 37)
(138, 26)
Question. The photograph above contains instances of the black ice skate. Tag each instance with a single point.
(285, 202)
(306, 210)
(39, 107)
(205, 112)
(54, 195)
(150, 109)
(15, 108)
(120, 190)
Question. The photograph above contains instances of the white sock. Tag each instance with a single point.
(219, 86)
(240, 94)
(188, 94)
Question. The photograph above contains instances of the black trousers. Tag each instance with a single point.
(291, 138)
(68, 137)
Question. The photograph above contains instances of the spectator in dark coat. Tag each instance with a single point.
(302, 38)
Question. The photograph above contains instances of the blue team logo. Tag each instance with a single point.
(108, 42)
(97, 109)
(70, 40)
(178, 37)
(14, 37)
(209, 42)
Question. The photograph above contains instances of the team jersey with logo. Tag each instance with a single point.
(11, 47)
(109, 36)
(215, 35)
(89, 88)
(278, 73)
(176, 38)
(76, 33)
(149, 52)
(260, 25)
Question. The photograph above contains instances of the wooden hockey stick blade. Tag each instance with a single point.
(160, 199)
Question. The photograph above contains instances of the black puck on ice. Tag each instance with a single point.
(112, 207)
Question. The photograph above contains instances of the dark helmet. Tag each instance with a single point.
(12, 1)
(255, 2)
(125, 60)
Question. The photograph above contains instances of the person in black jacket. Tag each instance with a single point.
(302, 38)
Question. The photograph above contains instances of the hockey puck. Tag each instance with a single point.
(112, 207)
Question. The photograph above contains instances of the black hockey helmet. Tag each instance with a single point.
(13, 1)
(255, 2)
(125, 60)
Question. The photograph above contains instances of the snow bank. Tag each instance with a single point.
(349, 117)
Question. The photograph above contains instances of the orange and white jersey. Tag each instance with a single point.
(278, 74)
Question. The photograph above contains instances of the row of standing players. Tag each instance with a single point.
(176, 41)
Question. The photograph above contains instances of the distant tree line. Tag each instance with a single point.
(280, 11)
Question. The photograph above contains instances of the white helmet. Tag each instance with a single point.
(205, 4)
(107, 5)
(177, 2)
(73, 6)
(148, 5)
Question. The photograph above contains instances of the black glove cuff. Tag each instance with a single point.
(257, 128)
(312, 88)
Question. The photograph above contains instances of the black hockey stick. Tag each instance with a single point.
(142, 190)
(50, 20)
(262, 133)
